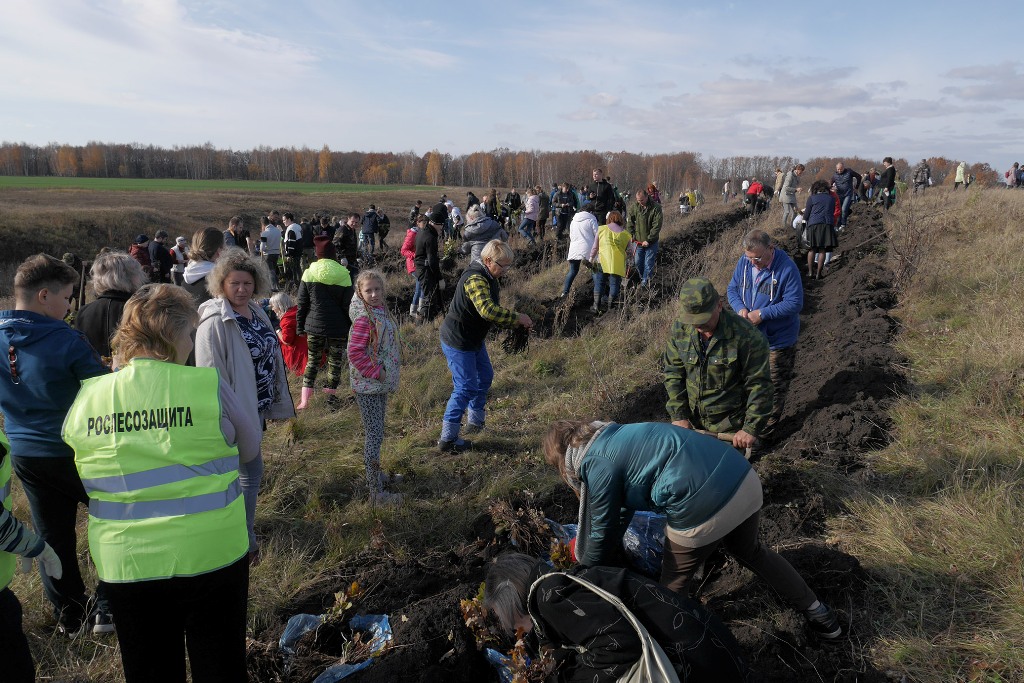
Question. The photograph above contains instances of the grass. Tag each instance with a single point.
(942, 531)
(938, 526)
(180, 185)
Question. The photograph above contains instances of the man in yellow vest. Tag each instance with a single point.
(155, 446)
(16, 664)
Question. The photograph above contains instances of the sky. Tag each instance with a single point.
(908, 79)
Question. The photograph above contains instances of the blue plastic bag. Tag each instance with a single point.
(644, 541)
(377, 625)
(500, 663)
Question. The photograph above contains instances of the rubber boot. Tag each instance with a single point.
(332, 398)
(307, 393)
(450, 441)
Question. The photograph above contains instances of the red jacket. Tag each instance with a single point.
(293, 347)
(755, 188)
(839, 207)
(409, 249)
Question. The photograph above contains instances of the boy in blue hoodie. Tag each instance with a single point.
(40, 373)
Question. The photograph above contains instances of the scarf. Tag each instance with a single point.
(573, 461)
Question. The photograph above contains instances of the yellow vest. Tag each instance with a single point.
(612, 250)
(8, 561)
(164, 496)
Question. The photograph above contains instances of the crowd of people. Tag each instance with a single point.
(150, 410)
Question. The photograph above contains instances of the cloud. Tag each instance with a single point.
(581, 115)
(998, 82)
(603, 99)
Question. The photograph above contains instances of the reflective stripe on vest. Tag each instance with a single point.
(161, 475)
(148, 509)
(8, 561)
(164, 495)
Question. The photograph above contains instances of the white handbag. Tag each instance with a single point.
(654, 665)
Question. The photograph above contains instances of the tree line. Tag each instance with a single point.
(499, 168)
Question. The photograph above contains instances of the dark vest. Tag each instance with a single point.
(464, 328)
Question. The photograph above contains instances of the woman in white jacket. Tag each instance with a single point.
(236, 337)
(582, 233)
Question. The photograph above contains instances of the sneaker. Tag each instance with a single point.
(386, 498)
(823, 622)
(390, 478)
(70, 626)
(102, 623)
(456, 446)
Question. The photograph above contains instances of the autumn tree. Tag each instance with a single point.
(324, 164)
(434, 174)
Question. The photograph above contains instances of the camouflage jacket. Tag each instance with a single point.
(726, 388)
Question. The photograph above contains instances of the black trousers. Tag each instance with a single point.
(158, 621)
(54, 492)
(17, 666)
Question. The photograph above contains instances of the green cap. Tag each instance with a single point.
(697, 300)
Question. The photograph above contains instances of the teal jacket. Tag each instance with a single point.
(654, 466)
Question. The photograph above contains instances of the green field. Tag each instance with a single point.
(177, 185)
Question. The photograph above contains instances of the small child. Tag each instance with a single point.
(373, 356)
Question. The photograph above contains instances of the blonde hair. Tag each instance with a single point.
(495, 250)
(153, 318)
(364, 277)
(238, 259)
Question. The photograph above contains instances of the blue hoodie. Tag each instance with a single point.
(778, 293)
(51, 361)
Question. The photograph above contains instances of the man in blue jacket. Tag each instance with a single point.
(845, 181)
(766, 290)
(40, 375)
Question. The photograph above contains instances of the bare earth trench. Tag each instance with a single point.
(836, 412)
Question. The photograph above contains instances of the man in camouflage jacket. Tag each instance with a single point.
(716, 368)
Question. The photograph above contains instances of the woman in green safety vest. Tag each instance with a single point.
(157, 445)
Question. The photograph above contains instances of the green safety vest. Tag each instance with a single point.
(164, 495)
(8, 561)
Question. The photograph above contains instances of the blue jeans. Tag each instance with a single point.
(574, 270)
(845, 208)
(472, 375)
(614, 284)
(250, 474)
(645, 259)
(416, 292)
(526, 228)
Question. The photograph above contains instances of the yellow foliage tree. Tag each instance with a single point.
(324, 164)
(434, 174)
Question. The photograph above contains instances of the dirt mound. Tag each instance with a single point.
(846, 374)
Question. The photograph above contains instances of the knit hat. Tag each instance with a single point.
(324, 248)
(697, 300)
(141, 239)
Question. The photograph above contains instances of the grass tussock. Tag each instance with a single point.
(942, 530)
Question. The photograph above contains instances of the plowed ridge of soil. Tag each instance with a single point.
(845, 377)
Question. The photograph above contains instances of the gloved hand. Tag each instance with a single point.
(48, 560)
(441, 285)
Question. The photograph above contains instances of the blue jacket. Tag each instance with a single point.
(820, 209)
(777, 292)
(370, 223)
(52, 360)
(654, 466)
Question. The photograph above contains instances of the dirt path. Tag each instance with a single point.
(845, 376)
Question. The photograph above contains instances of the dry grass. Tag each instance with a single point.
(943, 531)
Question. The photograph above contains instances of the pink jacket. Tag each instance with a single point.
(409, 249)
